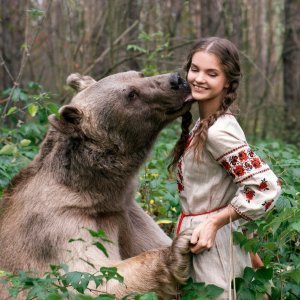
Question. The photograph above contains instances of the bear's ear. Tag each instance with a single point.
(79, 82)
(68, 121)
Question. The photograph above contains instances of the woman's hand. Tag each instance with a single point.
(203, 236)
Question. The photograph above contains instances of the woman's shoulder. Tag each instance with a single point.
(225, 135)
(226, 124)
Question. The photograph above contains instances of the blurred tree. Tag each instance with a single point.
(12, 37)
(291, 70)
(92, 37)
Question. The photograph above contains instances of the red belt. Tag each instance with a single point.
(183, 215)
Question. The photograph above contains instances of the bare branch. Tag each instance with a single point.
(102, 56)
(26, 53)
(2, 63)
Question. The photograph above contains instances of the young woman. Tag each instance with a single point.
(220, 179)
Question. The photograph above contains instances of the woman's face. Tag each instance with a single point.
(206, 78)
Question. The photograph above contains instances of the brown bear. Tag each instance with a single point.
(85, 177)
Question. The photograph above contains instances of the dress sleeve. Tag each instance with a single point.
(258, 186)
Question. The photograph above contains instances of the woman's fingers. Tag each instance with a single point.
(201, 245)
(195, 236)
(203, 237)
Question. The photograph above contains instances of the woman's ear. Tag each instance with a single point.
(68, 121)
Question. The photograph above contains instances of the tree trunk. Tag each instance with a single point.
(212, 23)
(12, 33)
(291, 70)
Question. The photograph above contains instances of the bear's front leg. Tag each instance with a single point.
(159, 270)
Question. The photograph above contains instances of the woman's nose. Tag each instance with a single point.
(200, 77)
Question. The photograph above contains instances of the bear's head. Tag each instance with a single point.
(124, 109)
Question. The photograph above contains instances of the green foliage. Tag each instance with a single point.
(23, 129)
(276, 237)
(155, 47)
(254, 284)
(199, 291)
(55, 284)
(158, 189)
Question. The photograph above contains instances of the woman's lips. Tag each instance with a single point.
(198, 88)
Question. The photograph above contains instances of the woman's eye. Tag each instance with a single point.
(212, 75)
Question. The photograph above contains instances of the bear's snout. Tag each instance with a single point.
(177, 82)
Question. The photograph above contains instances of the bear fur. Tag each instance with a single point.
(85, 177)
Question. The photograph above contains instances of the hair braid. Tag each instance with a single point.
(179, 148)
(200, 135)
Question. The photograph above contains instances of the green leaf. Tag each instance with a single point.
(52, 108)
(9, 149)
(239, 238)
(4, 273)
(35, 12)
(294, 274)
(99, 234)
(213, 290)
(258, 286)
(23, 96)
(147, 296)
(79, 281)
(106, 297)
(32, 109)
(136, 48)
(251, 245)
(97, 279)
(13, 291)
(264, 274)
(25, 142)
(164, 221)
(247, 294)
(239, 283)
(296, 226)
(111, 273)
(16, 94)
(11, 110)
(248, 274)
(34, 85)
(54, 297)
(101, 247)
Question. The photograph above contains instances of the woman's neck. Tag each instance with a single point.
(206, 110)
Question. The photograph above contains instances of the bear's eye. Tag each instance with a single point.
(132, 95)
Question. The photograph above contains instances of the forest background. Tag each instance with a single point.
(43, 41)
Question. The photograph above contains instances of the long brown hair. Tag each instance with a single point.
(228, 57)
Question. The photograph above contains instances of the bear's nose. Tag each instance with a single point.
(177, 82)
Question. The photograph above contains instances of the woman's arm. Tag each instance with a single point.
(203, 236)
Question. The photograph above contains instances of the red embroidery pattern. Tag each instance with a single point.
(249, 193)
(242, 163)
(240, 213)
(262, 171)
(180, 177)
(263, 185)
(267, 204)
(231, 151)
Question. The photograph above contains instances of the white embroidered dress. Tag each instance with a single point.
(229, 173)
